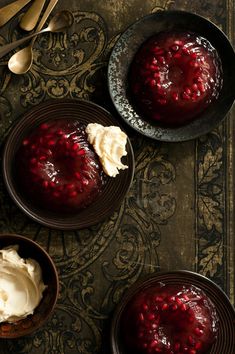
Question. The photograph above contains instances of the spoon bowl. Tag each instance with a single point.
(22, 60)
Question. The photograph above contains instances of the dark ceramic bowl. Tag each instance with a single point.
(122, 57)
(30, 249)
(114, 190)
(225, 342)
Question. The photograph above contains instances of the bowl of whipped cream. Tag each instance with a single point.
(29, 286)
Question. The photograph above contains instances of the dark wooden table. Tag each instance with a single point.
(179, 212)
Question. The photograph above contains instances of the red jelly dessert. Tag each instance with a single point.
(175, 76)
(57, 167)
(169, 319)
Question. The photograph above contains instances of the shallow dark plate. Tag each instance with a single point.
(30, 249)
(226, 340)
(114, 190)
(125, 50)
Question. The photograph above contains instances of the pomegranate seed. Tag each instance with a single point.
(201, 87)
(145, 307)
(175, 96)
(156, 76)
(151, 317)
(45, 184)
(85, 182)
(191, 319)
(185, 349)
(51, 143)
(152, 83)
(172, 298)
(73, 194)
(141, 316)
(154, 325)
(33, 160)
(185, 96)
(199, 332)
(178, 301)
(194, 87)
(154, 61)
(25, 142)
(183, 307)
(199, 79)
(193, 55)
(177, 346)
(154, 343)
(44, 126)
(145, 345)
(81, 152)
(174, 307)
(42, 158)
(75, 146)
(198, 345)
(188, 90)
(193, 64)
(195, 96)
(154, 67)
(60, 132)
(192, 351)
(33, 147)
(165, 307)
(52, 184)
(161, 60)
(186, 297)
(78, 175)
(177, 56)
(158, 298)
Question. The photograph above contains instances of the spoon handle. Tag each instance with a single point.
(9, 11)
(9, 47)
(30, 18)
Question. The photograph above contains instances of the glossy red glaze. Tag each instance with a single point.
(169, 319)
(175, 76)
(58, 168)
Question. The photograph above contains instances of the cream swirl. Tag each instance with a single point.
(110, 145)
(21, 285)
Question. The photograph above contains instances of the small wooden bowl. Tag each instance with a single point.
(225, 342)
(30, 249)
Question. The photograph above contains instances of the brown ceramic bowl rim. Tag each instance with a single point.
(40, 249)
(202, 125)
(93, 213)
(152, 279)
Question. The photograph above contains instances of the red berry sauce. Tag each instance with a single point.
(57, 168)
(169, 319)
(175, 76)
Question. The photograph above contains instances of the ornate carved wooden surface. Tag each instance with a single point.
(179, 211)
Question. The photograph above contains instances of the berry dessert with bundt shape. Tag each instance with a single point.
(174, 77)
(57, 167)
(169, 319)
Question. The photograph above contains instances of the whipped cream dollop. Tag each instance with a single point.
(110, 145)
(21, 285)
